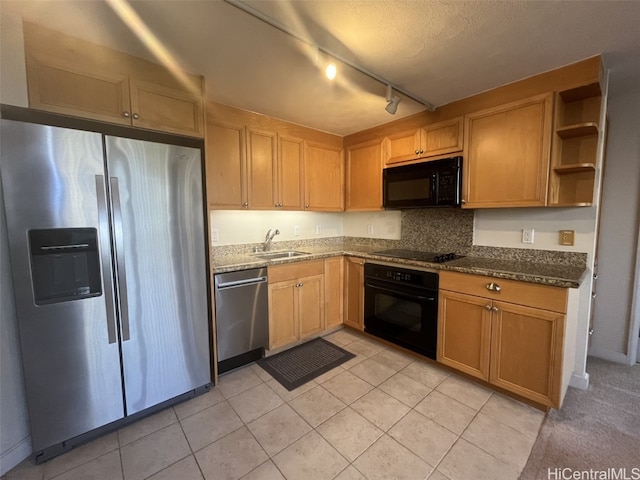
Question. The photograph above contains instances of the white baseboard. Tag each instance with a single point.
(579, 381)
(15, 455)
(609, 355)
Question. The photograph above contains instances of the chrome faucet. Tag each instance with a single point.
(267, 240)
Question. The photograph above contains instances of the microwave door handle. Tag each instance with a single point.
(434, 188)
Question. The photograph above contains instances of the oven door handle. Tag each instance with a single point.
(398, 292)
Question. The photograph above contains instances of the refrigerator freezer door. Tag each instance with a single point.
(66, 316)
(157, 207)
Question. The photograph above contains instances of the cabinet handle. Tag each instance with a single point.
(487, 307)
(245, 204)
(495, 309)
(306, 206)
(125, 114)
(494, 287)
(421, 151)
(595, 276)
(417, 152)
(463, 201)
(594, 295)
(136, 116)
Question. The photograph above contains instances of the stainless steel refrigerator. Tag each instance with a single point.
(108, 254)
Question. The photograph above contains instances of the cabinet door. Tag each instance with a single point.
(226, 167)
(283, 313)
(403, 146)
(354, 293)
(324, 180)
(464, 330)
(333, 291)
(58, 87)
(442, 137)
(170, 110)
(261, 169)
(290, 173)
(526, 351)
(507, 152)
(364, 176)
(311, 305)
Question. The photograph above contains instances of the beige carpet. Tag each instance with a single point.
(596, 429)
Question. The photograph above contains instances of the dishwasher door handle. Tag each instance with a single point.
(240, 283)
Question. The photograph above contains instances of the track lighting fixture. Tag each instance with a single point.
(392, 101)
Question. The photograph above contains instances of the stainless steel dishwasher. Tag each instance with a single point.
(242, 317)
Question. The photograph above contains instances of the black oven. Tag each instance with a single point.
(401, 306)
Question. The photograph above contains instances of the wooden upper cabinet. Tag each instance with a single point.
(432, 140)
(290, 187)
(226, 175)
(261, 169)
(74, 77)
(324, 178)
(160, 108)
(403, 146)
(364, 176)
(507, 151)
(58, 87)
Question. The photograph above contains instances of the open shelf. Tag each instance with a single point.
(574, 147)
(574, 168)
(579, 130)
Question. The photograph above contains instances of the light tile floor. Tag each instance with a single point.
(382, 415)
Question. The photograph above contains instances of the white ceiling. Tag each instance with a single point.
(438, 50)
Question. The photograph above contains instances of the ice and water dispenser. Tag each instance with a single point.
(65, 264)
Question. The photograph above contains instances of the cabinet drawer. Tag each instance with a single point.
(512, 291)
(291, 271)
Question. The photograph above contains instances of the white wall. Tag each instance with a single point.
(242, 226)
(619, 225)
(13, 76)
(503, 227)
(15, 442)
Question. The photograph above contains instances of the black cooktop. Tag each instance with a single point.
(433, 257)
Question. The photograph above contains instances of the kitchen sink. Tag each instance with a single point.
(279, 255)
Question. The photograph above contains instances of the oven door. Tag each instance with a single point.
(404, 315)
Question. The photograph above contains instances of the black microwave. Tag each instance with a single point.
(437, 183)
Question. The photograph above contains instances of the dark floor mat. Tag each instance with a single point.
(298, 365)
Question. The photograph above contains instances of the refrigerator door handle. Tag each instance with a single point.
(120, 259)
(103, 221)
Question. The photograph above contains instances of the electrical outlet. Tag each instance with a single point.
(369, 229)
(566, 237)
(214, 235)
(318, 229)
(296, 230)
(527, 235)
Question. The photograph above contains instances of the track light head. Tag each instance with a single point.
(392, 101)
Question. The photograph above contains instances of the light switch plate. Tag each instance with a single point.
(566, 237)
(296, 230)
(527, 235)
(369, 229)
(214, 235)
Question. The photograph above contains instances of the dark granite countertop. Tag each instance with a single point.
(542, 273)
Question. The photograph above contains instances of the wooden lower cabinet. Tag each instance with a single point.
(515, 347)
(464, 333)
(296, 302)
(333, 291)
(354, 292)
(526, 351)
